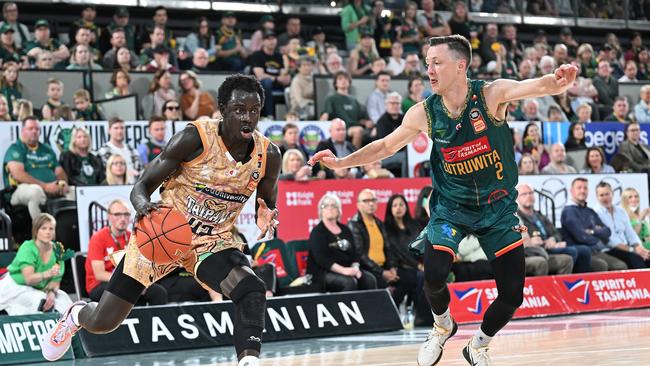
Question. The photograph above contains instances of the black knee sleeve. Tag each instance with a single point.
(250, 303)
(124, 286)
(437, 265)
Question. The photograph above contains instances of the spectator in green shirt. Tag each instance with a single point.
(43, 42)
(34, 276)
(342, 105)
(32, 168)
(355, 17)
(231, 52)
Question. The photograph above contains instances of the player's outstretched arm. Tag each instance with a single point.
(414, 122)
(505, 90)
(183, 146)
(267, 193)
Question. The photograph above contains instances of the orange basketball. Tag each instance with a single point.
(164, 237)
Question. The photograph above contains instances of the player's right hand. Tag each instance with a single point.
(145, 208)
(327, 158)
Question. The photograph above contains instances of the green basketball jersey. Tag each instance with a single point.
(472, 159)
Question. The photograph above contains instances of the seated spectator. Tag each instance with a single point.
(546, 65)
(402, 229)
(171, 110)
(120, 81)
(532, 144)
(291, 55)
(291, 140)
(292, 31)
(459, 22)
(106, 242)
(636, 41)
(333, 64)
(268, 67)
(156, 143)
(10, 86)
(632, 148)
(294, 167)
(370, 241)
(194, 102)
(584, 113)
(543, 239)
(10, 16)
(531, 111)
(43, 42)
(116, 172)
(643, 63)
(201, 37)
(431, 23)
(231, 52)
(413, 67)
(396, 63)
(415, 95)
(116, 145)
(638, 218)
(607, 87)
(80, 59)
(333, 261)
(595, 162)
(44, 61)
(120, 20)
(8, 49)
(588, 64)
(32, 169)
(200, 60)
(558, 163)
(81, 166)
(576, 139)
(84, 110)
(375, 105)
(267, 23)
(563, 101)
(110, 61)
(620, 112)
(302, 89)
(124, 60)
(555, 114)
(630, 73)
(34, 280)
(161, 61)
(642, 108)
(342, 173)
(363, 55)
(25, 109)
(54, 95)
(377, 66)
(388, 123)
(373, 171)
(581, 226)
(83, 36)
(4, 110)
(527, 165)
(87, 22)
(624, 243)
(158, 40)
(561, 54)
(355, 18)
(161, 90)
(344, 106)
(337, 144)
(60, 113)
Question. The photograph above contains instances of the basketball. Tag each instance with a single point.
(164, 236)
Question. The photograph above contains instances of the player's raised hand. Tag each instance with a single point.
(565, 75)
(327, 158)
(266, 220)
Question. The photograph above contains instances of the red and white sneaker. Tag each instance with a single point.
(56, 342)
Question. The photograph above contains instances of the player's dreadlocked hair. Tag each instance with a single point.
(246, 83)
(456, 43)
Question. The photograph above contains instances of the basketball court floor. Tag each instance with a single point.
(603, 339)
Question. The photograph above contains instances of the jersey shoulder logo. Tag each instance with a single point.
(477, 121)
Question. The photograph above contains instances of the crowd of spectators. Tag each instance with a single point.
(368, 251)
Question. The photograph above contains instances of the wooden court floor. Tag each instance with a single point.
(604, 339)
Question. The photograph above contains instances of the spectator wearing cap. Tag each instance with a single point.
(231, 54)
(409, 34)
(607, 87)
(266, 23)
(302, 89)
(292, 31)
(161, 55)
(268, 67)
(194, 102)
(642, 109)
(362, 56)
(43, 42)
(431, 23)
(156, 42)
(118, 40)
(540, 37)
(630, 72)
(566, 37)
(610, 53)
(10, 16)
(120, 20)
(355, 18)
(201, 37)
(87, 20)
(8, 49)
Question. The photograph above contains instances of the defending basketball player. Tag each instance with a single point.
(474, 176)
(207, 171)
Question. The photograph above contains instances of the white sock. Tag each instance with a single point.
(480, 339)
(249, 361)
(74, 313)
(443, 320)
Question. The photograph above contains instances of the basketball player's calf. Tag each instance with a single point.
(229, 273)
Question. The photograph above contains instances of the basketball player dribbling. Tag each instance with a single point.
(207, 171)
(474, 179)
